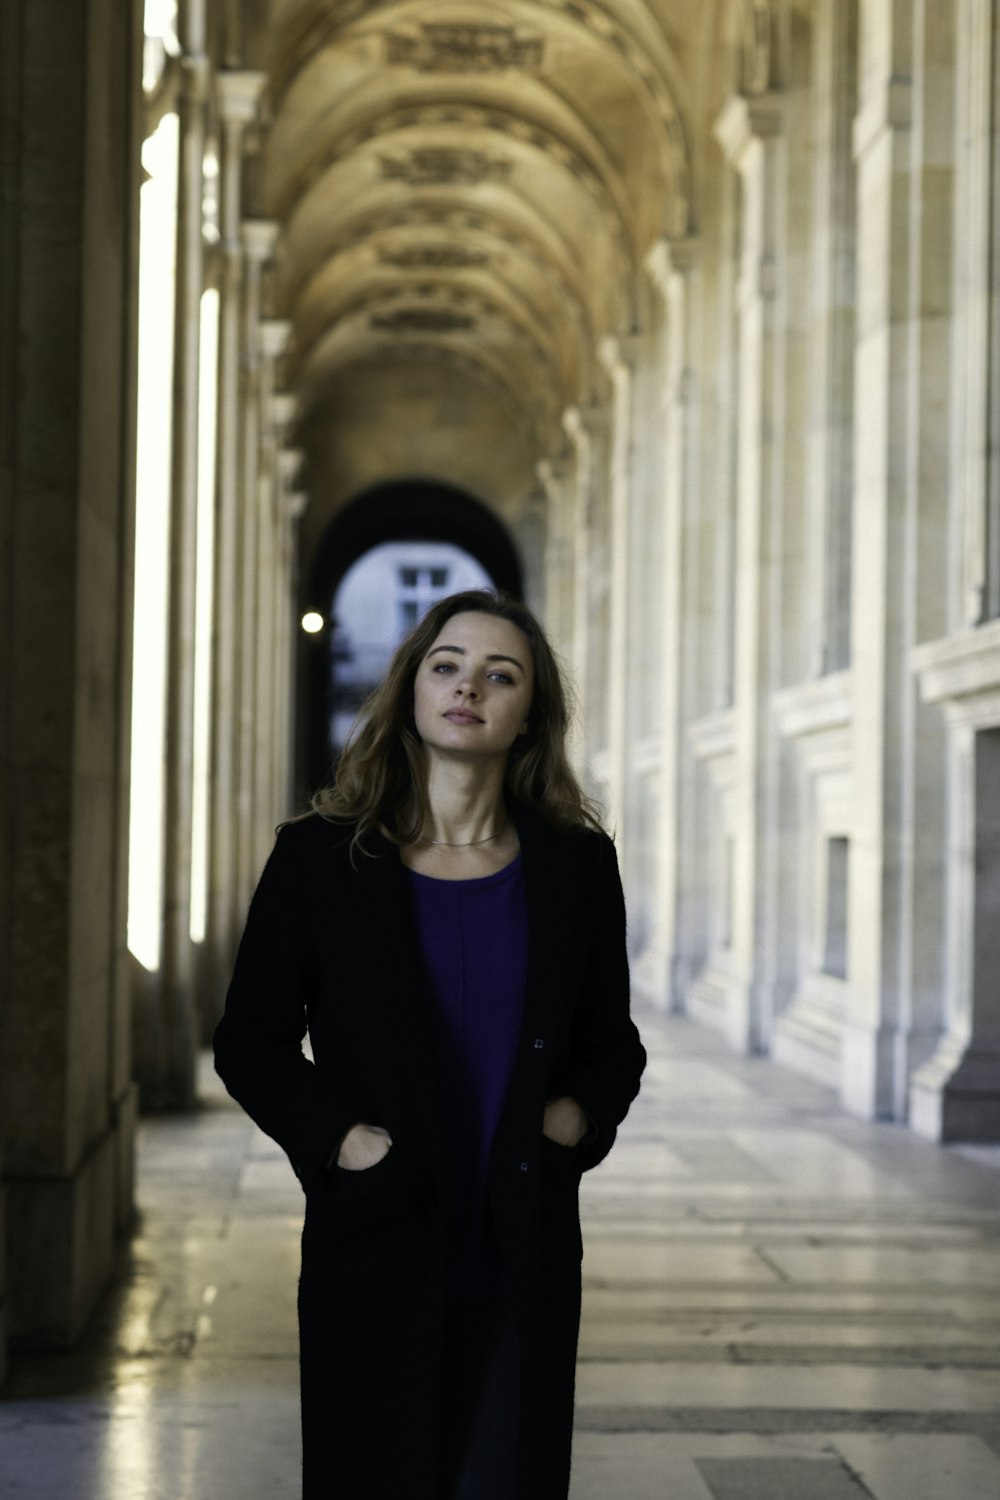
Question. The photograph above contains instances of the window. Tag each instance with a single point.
(419, 588)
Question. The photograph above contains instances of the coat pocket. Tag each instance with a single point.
(560, 1203)
(369, 1226)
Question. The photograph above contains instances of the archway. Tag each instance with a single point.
(406, 511)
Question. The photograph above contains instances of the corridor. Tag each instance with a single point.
(781, 1302)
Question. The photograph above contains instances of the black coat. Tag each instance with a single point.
(331, 944)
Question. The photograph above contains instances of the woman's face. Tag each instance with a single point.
(472, 692)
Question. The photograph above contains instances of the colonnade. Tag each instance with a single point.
(250, 556)
(94, 1024)
(770, 550)
(69, 135)
(770, 562)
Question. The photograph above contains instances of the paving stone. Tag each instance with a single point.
(775, 1295)
(780, 1479)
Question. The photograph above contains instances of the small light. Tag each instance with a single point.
(312, 623)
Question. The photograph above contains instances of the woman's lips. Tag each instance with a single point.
(460, 716)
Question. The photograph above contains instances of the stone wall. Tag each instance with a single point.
(809, 840)
(67, 1104)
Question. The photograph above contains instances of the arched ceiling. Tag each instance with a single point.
(473, 186)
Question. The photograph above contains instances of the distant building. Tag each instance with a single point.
(383, 596)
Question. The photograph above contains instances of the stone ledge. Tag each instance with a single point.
(960, 667)
(647, 756)
(713, 736)
(817, 706)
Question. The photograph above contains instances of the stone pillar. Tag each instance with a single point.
(273, 335)
(749, 131)
(619, 360)
(168, 1023)
(955, 1095)
(976, 465)
(297, 503)
(259, 239)
(284, 406)
(70, 136)
(588, 430)
(833, 287)
(903, 140)
(283, 596)
(238, 95)
(579, 507)
(556, 478)
(670, 265)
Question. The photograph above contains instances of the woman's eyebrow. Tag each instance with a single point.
(460, 651)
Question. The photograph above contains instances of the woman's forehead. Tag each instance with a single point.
(488, 632)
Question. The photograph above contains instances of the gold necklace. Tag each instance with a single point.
(472, 844)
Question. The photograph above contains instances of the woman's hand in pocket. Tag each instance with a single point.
(363, 1146)
(564, 1122)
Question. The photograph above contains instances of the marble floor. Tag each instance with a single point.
(781, 1303)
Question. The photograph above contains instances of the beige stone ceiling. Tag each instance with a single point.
(473, 187)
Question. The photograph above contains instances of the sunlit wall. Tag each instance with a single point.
(158, 234)
(208, 402)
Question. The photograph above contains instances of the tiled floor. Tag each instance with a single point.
(781, 1303)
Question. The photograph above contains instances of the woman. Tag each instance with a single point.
(449, 926)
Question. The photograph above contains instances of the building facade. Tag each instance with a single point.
(701, 304)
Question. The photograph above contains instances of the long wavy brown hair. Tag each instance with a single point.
(380, 779)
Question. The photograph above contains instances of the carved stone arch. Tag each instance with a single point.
(317, 25)
(387, 509)
(429, 308)
(560, 272)
(596, 177)
(337, 285)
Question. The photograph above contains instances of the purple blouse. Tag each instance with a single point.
(474, 940)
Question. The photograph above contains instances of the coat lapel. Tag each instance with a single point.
(550, 879)
(386, 932)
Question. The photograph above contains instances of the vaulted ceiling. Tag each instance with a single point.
(468, 190)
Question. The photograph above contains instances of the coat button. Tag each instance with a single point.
(539, 1043)
(524, 1166)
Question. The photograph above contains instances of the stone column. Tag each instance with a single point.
(588, 427)
(259, 239)
(955, 1094)
(579, 506)
(69, 136)
(290, 462)
(171, 1032)
(555, 477)
(273, 335)
(976, 470)
(238, 95)
(749, 131)
(833, 289)
(903, 143)
(618, 358)
(669, 266)
(297, 504)
(284, 406)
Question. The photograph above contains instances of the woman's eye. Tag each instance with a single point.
(501, 677)
(443, 666)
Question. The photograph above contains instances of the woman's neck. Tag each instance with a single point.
(465, 804)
